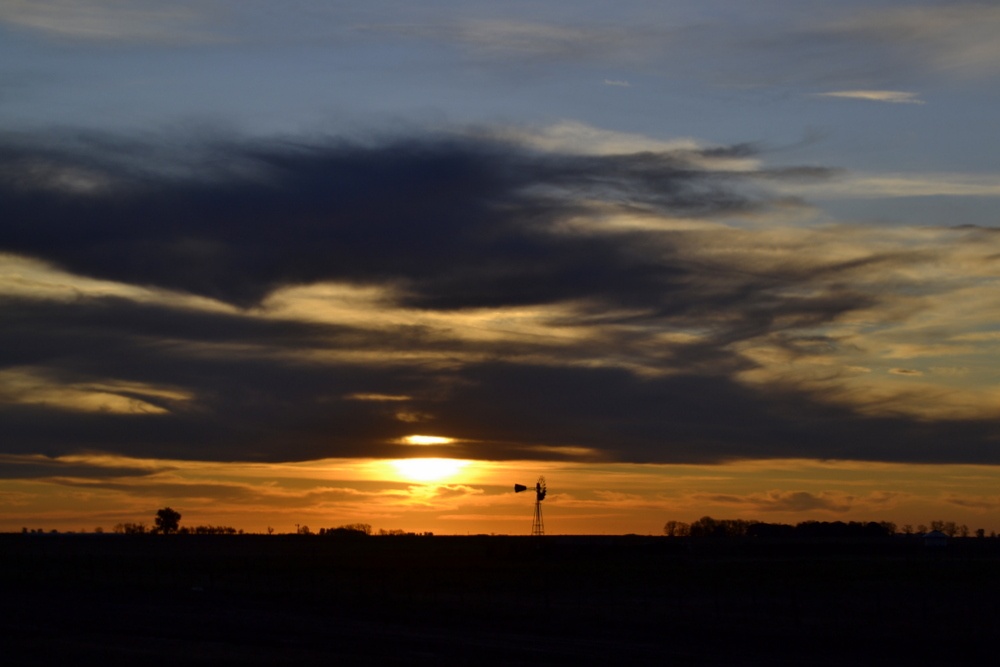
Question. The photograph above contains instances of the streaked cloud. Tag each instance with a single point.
(574, 137)
(29, 386)
(983, 503)
(376, 397)
(524, 37)
(953, 36)
(891, 96)
(868, 186)
(787, 501)
(513, 40)
(145, 20)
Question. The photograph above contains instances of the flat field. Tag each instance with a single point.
(484, 600)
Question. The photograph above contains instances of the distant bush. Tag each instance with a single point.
(348, 530)
(740, 528)
(129, 528)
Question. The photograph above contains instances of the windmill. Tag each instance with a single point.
(537, 527)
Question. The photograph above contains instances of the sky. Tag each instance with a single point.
(311, 262)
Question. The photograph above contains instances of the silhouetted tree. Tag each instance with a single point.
(360, 527)
(770, 530)
(706, 526)
(167, 521)
(676, 529)
(949, 528)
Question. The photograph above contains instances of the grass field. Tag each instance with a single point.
(263, 600)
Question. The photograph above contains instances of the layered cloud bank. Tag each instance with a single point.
(557, 294)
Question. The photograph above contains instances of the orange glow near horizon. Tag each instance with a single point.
(467, 496)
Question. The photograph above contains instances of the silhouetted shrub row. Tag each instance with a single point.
(729, 528)
(210, 530)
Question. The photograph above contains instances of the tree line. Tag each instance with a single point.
(709, 527)
(167, 522)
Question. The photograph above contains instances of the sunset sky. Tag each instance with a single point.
(316, 262)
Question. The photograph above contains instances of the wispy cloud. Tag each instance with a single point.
(982, 503)
(515, 40)
(861, 185)
(953, 37)
(142, 20)
(786, 501)
(522, 37)
(858, 497)
(891, 96)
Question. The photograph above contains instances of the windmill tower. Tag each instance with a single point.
(537, 526)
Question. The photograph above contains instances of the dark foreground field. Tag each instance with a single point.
(269, 600)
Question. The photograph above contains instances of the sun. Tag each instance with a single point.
(429, 469)
(427, 440)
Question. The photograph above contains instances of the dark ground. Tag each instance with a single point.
(311, 600)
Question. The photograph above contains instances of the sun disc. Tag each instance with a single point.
(426, 440)
(429, 469)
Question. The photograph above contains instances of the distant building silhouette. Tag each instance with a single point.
(935, 539)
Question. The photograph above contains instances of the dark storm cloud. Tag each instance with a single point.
(449, 223)
(152, 488)
(458, 222)
(250, 405)
(42, 467)
(690, 418)
(271, 408)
